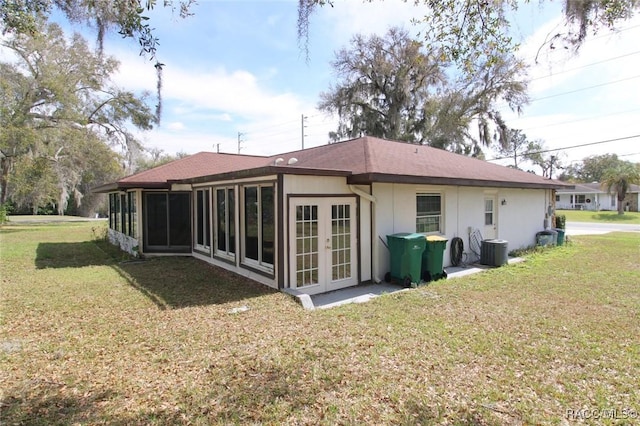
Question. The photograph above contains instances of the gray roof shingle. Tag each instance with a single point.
(363, 160)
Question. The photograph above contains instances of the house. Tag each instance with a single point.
(316, 220)
(592, 196)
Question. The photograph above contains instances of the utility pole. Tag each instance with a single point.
(240, 140)
(552, 160)
(302, 128)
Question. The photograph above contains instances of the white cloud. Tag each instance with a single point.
(175, 125)
(347, 18)
(214, 104)
(577, 98)
(595, 59)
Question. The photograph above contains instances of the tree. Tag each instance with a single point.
(393, 87)
(467, 30)
(384, 85)
(129, 18)
(593, 168)
(154, 157)
(517, 146)
(33, 184)
(618, 181)
(547, 161)
(55, 96)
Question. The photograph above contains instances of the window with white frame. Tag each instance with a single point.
(429, 213)
(225, 221)
(259, 225)
(133, 220)
(124, 207)
(203, 219)
(122, 213)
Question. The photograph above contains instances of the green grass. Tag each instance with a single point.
(601, 216)
(89, 337)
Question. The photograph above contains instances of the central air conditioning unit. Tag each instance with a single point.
(494, 252)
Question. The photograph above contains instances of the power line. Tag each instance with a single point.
(593, 117)
(586, 88)
(586, 65)
(609, 34)
(571, 147)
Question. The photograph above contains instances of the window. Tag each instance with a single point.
(124, 206)
(306, 245)
(132, 214)
(118, 213)
(112, 211)
(259, 225)
(488, 212)
(225, 221)
(340, 241)
(557, 198)
(580, 199)
(428, 213)
(167, 221)
(203, 215)
(122, 213)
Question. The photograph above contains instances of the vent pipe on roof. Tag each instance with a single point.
(292, 160)
(278, 161)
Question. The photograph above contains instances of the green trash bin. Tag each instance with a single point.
(433, 258)
(560, 239)
(406, 258)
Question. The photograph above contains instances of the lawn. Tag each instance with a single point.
(91, 337)
(601, 216)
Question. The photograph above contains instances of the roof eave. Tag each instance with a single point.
(119, 186)
(368, 178)
(264, 171)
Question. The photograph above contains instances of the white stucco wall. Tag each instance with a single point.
(517, 220)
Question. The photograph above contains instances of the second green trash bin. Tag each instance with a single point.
(406, 258)
(433, 258)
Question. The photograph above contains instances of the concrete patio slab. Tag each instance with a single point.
(366, 292)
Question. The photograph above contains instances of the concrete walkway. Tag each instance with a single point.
(364, 293)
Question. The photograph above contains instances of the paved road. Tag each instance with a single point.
(587, 228)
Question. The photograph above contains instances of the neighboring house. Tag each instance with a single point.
(316, 220)
(592, 196)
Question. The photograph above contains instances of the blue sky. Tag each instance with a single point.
(236, 66)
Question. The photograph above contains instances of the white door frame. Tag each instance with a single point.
(323, 248)
(490, 216)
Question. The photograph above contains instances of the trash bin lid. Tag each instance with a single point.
(435, 238)
(406, 236)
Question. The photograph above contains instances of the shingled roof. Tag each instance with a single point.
(372, 159)
(594, 187)
(200, 164)
(362, 161)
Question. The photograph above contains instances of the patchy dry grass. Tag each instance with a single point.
(88, 338)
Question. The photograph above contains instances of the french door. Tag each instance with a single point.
(322, 244)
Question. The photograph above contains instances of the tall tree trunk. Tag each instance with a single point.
(620, 205)
(5, 166)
